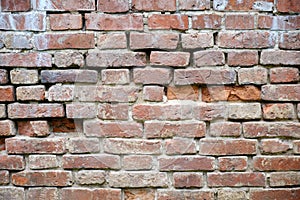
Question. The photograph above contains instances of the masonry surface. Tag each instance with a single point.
(149, 100)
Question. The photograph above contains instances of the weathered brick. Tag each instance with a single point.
(113, 111)
(42, 193)
(245, 111)
(18, 40)
(115, 76)
(183, 92)
(197, 40)
(90, 177)
(225, 194)
(240, 21)
(233, 163)
(14, 5)
(42, 161)
(206, 21)
(112, 41)
(65, 21)
(184, 194)
(227, 147)
(115, 59)
(209, 58)
(4, 177)
(232, 5)
(31, 93)
(273, 146)
(160, 76)
(25, 60)
(7, 93)
(138, 179)
(154, 5)
(273, 57)
(242, 58)
(189, 129)
(188, 180)
(172, 59)
(85, 193)
(168, 21)
(33, 128)
(291, 6)
(193, 4)
(153, 93)
(64, 5)
(186, 163)
(113, 6)
(7, 128)
(42, 178)
(2, 111)
(72, 75)
(234, 179)
(83, 145)
(284, 75)
(278, 179)
(204, 76)
(109, 22)
(276, 163)
(180, 146)
(145, 193)
(254, 75)
(138, 162)
(81, 110)
(296, 146)
(248, 39)
(68, 59)
(288, 194)
(35, 146)
(225, 129)
(12, 162)
(28, 21)
(61, 93)
(132, 146)
(210, 111)
(112, 129)
(290, 40)
(278, 111)
(91, 161)
(281, 92)
(13, 193)
(289, 22)
(3, 76)
(18, 76)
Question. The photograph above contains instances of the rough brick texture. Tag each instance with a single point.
(149, 99)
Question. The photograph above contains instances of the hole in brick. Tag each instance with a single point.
(215, 37)
(66, 125)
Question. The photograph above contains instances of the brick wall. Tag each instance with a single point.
(149, 99)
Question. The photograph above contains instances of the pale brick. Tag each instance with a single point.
(31, 93)
(115, 76)
(254, 75)
(81, 110)
(68, 59)
(245, 111)
(19, 76)
(90, 177)
(197, 40)
(138, 162)
(160, 76)
(112, 41)
(172, 59)
(7, 128)
(153, 93)
(42, 161)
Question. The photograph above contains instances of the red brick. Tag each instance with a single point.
(233, 179)
(42, 193)
(83, 145)
(204, 76)
(112, 41)
(7, 93)
(183, 92)
(278, 111)
(159, 76)
(64, 41)
(35, 146)
(273, 57)
(242, 58)
(25, 60)
(18, 40)
(284, 75)
(193, 5)
(189, 129)
(61, 93)
(65, 21)
(278, 179)
(273, 146)
(31, 93)
(184, 194)
(81, 110)
(225, 129)
(209, 58)
(137, 162)
(254, 75)
(113, 6)
(12, 162)
(168, 21)
(233, 21)
(33, 128)
(116, 59)
(109, 22)
(244, 111)
(64, 5)
(186, 163)
(290, 40)
(18, 110)
(276, 163)
(68, 59)
(29, 21)
(3, 76)
(145, 193)
(132, 146)
(188, 180)
(172, 59)
(249, 39)
(90, 177)
(227, 147)
(197, 40)
(7, 128)
(230, 93)
(14, 5)
(85, 193)
(153, 93)
(278, 22)
(281, 92)
(113, 129)
(42, 161)
(249, 5)
(49, 178)
(210, 111)
(290, 6)
(72, 75)
(233, 163)
(113, 111)
(91, 161)
(154, 5)
(10, 192)
(287, 194)
(206, 21)
(115, 76)
(180, 146)
(4, 177)
(18, 76)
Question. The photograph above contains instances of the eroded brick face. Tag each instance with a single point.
(149, 99)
